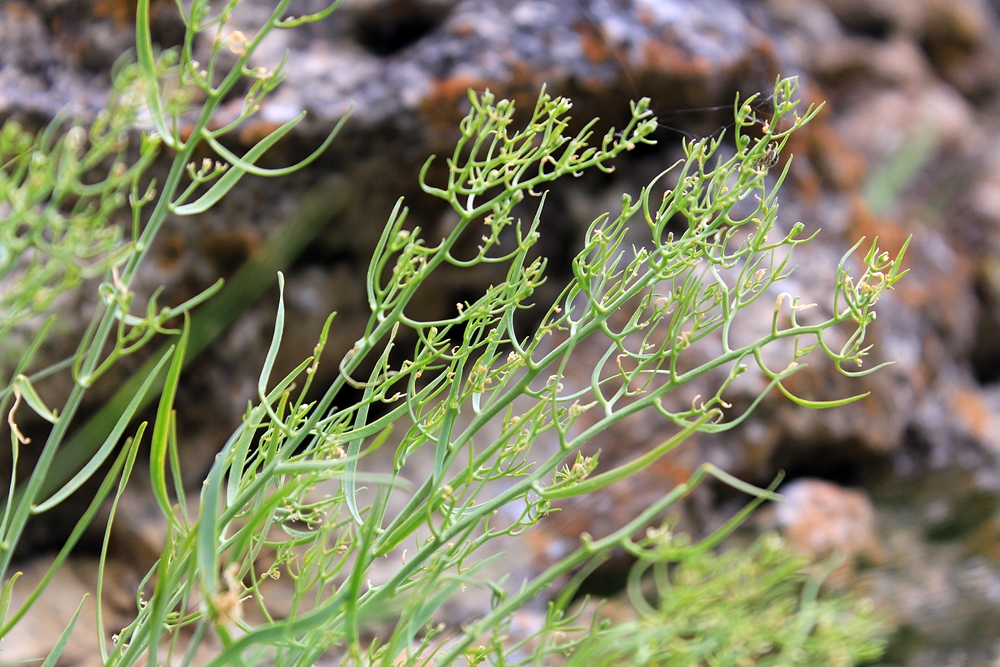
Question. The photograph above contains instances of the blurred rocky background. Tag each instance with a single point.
(906, 483)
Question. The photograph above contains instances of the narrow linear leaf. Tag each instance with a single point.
(132, 447)
(249, 167)
(173, 452)
(71, 541)
(272, 350)
(109, 443)
(23, 386)
(147, 65)
(159, 443)
(60, 646)
(623, 472)
(821, 405)
(207, 539)
(160, 598)
(26, 358)
(749, 489)
(318, 207)
(233, 175)
(5, 596)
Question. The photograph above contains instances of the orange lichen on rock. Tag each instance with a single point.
(891, 234)
(821, 519)
(595, 46)
(839, 165)
(255, 130)
(666, 56)
(122, 12)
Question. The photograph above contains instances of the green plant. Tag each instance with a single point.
(55, 219)
(56, 230)
(474, 394)
(745, 607)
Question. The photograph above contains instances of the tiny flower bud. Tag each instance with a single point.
(238, 43)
